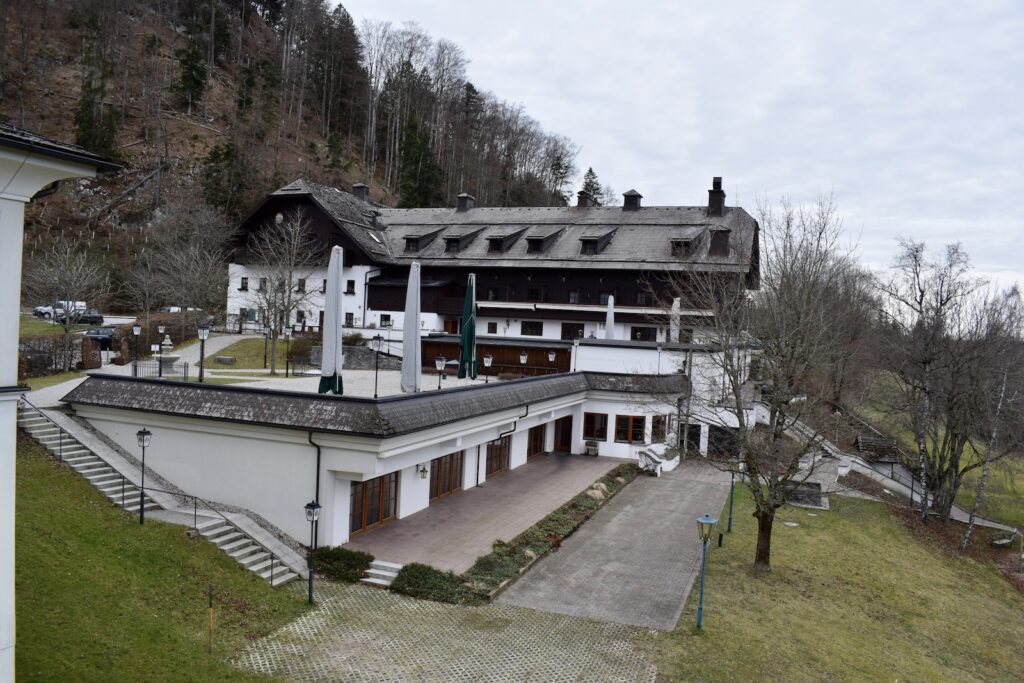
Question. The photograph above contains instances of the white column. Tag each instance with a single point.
(337, 502)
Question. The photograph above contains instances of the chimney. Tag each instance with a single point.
(716, 198)
(361, 191)
(584, 200)
(631, 200)
(466, 202)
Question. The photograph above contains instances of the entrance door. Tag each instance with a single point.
(446, 474)
(563, 434)
(451, 326)
(572, 330)
(498, 455)
(535, 445)
(373, 502)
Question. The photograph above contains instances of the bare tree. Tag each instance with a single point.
(66, 274)
(281, 254)
(768, 349)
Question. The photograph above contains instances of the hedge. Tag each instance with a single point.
(341, 564)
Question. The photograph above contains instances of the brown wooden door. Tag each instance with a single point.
(373, 502)
(446, 474)
(563, 434)
(535, 445)
(498, 455)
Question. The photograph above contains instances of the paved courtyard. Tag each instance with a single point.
(457, 529)
(635, 560)
(357, 633)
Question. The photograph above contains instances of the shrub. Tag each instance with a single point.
(354, 339)
(341, 564)
(423, 581)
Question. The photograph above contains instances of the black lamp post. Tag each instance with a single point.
(575, 352)
(551, 358)
(439, 364)
(704, 525)
(287, 355)
(204, 333)
(375, 344)
(312, 515)
(144, 436)
(523, 356)
(266, 338)
(160, 349)
(136, 331)
(488, 359)
(734, 466)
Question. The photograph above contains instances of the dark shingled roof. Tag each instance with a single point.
(355, 217)
(384, 417)
(38, 144)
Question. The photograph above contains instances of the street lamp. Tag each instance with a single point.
(439, 364)
(734, 466)
(704, 525)
(312, 515)
(144, 436)
(575, 352)
(523, 356)
(204, 333)
(488, 359)
(266, 338)
(551, 356)
(154, 349)
(287, 354)
(136, 331)
(375, 344)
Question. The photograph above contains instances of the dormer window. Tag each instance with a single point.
(412, 243)
(451, 245)
(682, 248)
(494, 244)
(719, 243)
(588, 247)
(535, 246)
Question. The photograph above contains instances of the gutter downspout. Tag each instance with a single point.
(515, 423)
(316, 491)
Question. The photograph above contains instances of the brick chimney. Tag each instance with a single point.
(584, 200)
(716, 198)
(631, 200)
(361, 191)
(466, 202)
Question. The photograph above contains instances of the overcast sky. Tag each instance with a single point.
(911, 114)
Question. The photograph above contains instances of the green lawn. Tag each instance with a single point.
(852, 596)
(36, 383)
(30, 326)
(101, 598)
(248, 354)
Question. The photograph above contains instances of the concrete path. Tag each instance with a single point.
(635, 561)
(457, 529)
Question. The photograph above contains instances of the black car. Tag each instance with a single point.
(104, 336)
(89, 316)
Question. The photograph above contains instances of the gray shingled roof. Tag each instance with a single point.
(31, 142)
(355, 217)
(385, 417)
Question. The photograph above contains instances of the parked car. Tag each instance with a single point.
(57, 308)
(104, 336)
(44, 312)
(89, 316)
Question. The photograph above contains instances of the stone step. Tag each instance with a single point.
(76, 452)
(257, 562)
(383, 574)
(244, 551)
(81, 459)
(134, 507)
(215, 533)
(375, 582)
(222, 540)
(90, 468)
(381, 564)
(106, 478)
(235, 544)
(283, 579)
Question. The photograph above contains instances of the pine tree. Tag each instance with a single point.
(419, 178)
(591, 185)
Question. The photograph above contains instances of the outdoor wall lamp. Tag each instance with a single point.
(705, 523)
(551, 356)
(423, 472)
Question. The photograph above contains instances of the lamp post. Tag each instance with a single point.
(287, 348)
(266, 338)
(204, 333)
(488, 359)
(154, 349)
(704, 525)
(523, 356)
(734, 466)
(439, 364)
(575, 352)
(551, 358)
(136, 331)
(312, 515)
(375, 344)
(159, 348)
(144, 436)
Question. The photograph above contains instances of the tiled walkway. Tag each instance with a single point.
(457, 529)
(358, 633)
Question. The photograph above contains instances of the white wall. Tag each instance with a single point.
(613, 405)
(635, 360)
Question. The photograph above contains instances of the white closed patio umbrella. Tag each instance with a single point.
(330, 367)
(412, 363)
(609, 321)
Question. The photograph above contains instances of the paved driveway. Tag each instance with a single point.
(634, 561)
(457, 529)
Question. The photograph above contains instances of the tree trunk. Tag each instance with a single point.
(763, 554)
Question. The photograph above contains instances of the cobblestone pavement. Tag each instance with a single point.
(358, 633)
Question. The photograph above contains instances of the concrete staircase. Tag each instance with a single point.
(123, 493)
(118, 490)
(381, 573)
(246, 552)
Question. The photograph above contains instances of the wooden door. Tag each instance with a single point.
(446, 474)
(373, 502)
(498, 453)
(563, 434)
(535, 445)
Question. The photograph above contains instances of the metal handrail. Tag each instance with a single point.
(60, 445)
(195, 519)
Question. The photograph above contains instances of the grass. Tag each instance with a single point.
(852, 595)
(37, 383)
(30, 326)
(101, 598)
(248, 354)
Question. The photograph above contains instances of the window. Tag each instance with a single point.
(492, 293)
(647, 334)
(602, 298)
(588, 247)
(534, 246)
(682, 248)
(385, 320)
(302, 285)
(494, 244)
(244, 285)
(492, 328)
(630, 428)
(412, 243)
(643, 299)
(263, 284)
(350, 286)
(451, 244)
(446, 474)
(300, 316)
(658, 425)
(532, 328)
(533, 294)
(719, 243)
(349, 319)
(323, 287)
(574, 296)
(595, 426)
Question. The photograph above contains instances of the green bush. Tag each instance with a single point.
(423, 581)
(353, 339)
(341, 564)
